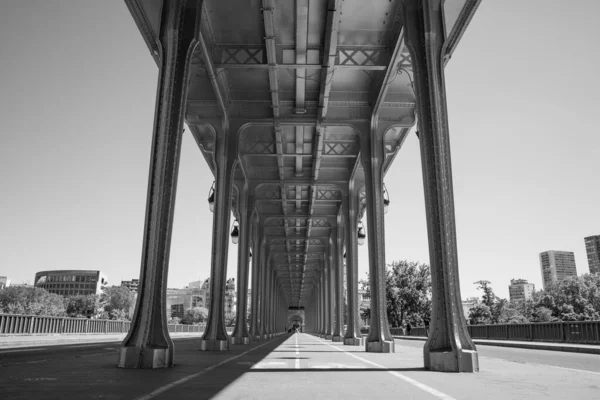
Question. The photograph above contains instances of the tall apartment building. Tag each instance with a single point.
(556, 266)
(592, 248)
(71, 282)
(131, 285)
(520, 289)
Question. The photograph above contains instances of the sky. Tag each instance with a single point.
(77, 97)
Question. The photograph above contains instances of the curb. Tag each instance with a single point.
(523, 345)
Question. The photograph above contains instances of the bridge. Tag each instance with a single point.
(299, 108)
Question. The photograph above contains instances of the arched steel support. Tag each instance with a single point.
(449, 346)
(148, 344)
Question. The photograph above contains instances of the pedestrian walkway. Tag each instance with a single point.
(568, 347)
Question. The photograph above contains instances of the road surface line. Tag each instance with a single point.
(23, 362)
(20, 350)
(297, 362)
(171, 385)
(405, 378)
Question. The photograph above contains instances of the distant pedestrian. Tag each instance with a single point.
(426, 323)
(408, 329)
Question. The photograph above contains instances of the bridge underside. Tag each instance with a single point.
(299, 108)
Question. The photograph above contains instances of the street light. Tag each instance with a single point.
(386, 199)
(361, 235)
(211, 197)
(235, 232)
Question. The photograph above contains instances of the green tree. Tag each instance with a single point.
(488, 296)
(480, 315)
(196, 315)
(30, 301)
(408, 293)
(82, 305)
(116, 301)
(229, 319)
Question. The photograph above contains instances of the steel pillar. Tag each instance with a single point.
(255, 302)
(215, 336)
(338, 281)
(379, 339)
(264, 262)
(246, 206)
(449, 347)
(148, 344)
(352, 336)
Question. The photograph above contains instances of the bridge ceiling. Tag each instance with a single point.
(300, 75)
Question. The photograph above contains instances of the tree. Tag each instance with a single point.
(229, 319)
(82, 305)
(31, 301)
(408, 293)
(116, 301)
(488, 296)
(196, 315)
(480, 315)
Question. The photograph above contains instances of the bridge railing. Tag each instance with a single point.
(11, 324)
(587, 332)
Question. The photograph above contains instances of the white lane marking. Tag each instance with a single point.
(405, 378)
(163, 389)
(20, 350)
(266, 364)
(297, 362)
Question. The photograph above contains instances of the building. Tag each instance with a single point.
(556, 266)
(71, 282)
(131, 285)
(4, 282)
(468, 304)
(520, 289)
(197, 294)
(592, 248)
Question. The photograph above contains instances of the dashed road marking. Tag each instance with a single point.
(405, 378)
(171, 385)
(297, 362)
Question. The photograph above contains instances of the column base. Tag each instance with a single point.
(336, 338)
(214, 345)
(354, 341)
(255, 338)
(240, 340)
(145, 357)
(452, 361)
(328, 337)
(380, 347)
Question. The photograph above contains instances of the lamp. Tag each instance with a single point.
(211, 197)
(235, 232)
(386, 199)
(361, 235)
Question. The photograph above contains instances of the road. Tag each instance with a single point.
(298, 366)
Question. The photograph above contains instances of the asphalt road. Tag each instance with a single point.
(296, 366)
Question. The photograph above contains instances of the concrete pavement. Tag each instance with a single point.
(297, 366)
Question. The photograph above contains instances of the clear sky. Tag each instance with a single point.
(77, 95)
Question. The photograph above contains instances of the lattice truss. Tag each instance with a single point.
(362, 56)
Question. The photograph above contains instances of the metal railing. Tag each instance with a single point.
(13, 324)
(587, 332)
